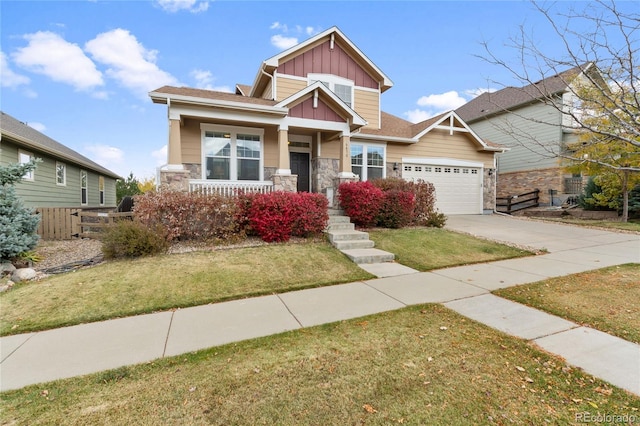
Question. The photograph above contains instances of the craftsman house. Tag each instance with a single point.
(63, 178)
(312, 119)
(525, 120)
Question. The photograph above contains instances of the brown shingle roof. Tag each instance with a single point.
(514, 97)
(391, 126)
(213, 95)
(243, 89)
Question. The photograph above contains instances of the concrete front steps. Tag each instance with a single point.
(356, 245)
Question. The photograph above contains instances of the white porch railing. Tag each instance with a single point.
(230, 189)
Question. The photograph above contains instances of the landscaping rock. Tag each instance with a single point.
(6, 268)
(23, 274)
(6, 286)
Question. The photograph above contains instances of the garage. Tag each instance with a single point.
(458, 183)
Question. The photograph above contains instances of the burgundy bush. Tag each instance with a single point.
(425, 198)
(361, 201)
(397, 209)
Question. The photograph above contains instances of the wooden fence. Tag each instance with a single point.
(513, 203)
(63, 223)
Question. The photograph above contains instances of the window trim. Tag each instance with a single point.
(64, 174)
(233, 158)
(364, 165)
(84, 197)
(29, 176)
(333, 79)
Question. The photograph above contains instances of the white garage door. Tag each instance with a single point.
(458, 183)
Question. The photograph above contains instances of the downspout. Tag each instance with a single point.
(273, 84)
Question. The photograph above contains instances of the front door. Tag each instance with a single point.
(300, 166)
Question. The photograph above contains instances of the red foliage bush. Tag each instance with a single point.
(189, 216)
(361, 201)
(397, 209)
(277, 216)
(424, 210)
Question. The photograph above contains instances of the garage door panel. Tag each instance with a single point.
(458, 189)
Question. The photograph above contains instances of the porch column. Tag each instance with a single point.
(283, 180)
(173, 175)
(345, 157)
(284, 165)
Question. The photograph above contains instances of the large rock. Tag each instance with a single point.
(6, 268)
(23, 274)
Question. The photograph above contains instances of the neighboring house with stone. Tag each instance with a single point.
(524, 120)
(63, 178)
(312, 119)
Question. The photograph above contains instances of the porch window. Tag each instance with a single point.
(232, 154)
(368, 161)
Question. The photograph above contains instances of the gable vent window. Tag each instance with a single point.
(342, 87)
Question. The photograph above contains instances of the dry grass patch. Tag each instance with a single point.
(632, 225)
(131, 287)
(606, 299)
(398, 367)
(425, 249)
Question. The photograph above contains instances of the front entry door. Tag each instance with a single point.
(300, 166)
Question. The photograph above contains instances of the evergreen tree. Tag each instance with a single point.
(18, 224)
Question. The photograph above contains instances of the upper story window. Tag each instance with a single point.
(84, 187)
(101, 189)
(232, 154)
(23, 158)
(342, 87)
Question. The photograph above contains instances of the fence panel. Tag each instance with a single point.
(57, 223)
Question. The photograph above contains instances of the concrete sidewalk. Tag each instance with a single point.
(39, 357)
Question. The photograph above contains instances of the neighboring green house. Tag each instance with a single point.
(522, 119)
(64, 178)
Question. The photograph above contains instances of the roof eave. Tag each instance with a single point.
(158, 97)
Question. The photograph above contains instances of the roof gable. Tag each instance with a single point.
(24, 134)
(332, 37)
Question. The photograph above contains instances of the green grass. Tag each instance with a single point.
(131, 287)
(398, 367)
(606, 299)
(425, 249)
(632, 225)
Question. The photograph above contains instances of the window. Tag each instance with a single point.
(235, 154)
(61, 174)
(342, 87)
(84, 196)
(474, 171)
(438, 169)
(427, 169)
(418, 168)
(23, 158)
(407, 168)
(465, 171)
(456, 170)
(447, 169)
(374, 155)
(101, 189)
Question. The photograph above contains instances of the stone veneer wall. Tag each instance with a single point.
(323, 173)
(519, 182)
(174, 180)
(489, 190)
(287, 183)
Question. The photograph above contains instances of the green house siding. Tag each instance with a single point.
(43, 190)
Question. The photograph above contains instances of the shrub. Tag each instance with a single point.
(435, 219)
(397, 209)
(634, 202)
(361, 201)
(18, 224)
(592, 197)
(425, 197)
(189, 216)
(277, 216)
(131, 238)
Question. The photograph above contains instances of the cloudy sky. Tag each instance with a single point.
(80, 71)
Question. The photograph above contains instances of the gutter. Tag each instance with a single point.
(191, 100)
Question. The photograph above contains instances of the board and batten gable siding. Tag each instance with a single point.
(43, 191)
(440, 144)
(542, 124)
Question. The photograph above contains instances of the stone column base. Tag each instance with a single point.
(286, 183)
(174, 180)
(336, 184)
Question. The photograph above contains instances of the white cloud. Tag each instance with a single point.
(173, 6)
(204, 80)
(105, 155)
(417, 115)
(442, 102)
(129, 62)
(474, 93)
(160, 156)
(10, 78)
(49, 54)
(282, 42)
(278, 26)
(38, 126)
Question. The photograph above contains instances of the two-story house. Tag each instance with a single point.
(535, 122)
(312, 119)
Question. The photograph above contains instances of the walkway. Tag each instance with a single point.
(71, 351)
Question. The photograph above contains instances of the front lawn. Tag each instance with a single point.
(423, 365)
(632, 225)
(425, 249)
(125, 288)
(606, 299)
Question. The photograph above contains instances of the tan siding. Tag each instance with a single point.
(268, 91)
(288, 86)
(439, 144)
(367, 105)
(191, 141)
(270, 147)
(330, 149)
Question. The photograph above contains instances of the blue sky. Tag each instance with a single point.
(79, 71)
